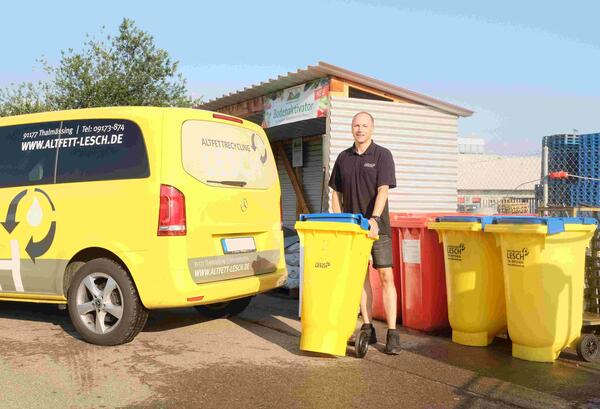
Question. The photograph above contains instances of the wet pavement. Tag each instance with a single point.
(181, 360)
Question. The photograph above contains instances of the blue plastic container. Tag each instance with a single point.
(555, 224)
(483, 220)
(337, 217)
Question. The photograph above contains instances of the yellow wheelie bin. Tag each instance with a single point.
(544, 265)
(474, 282)
(336, 257)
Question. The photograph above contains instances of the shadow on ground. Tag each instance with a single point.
(159, 320)
(34, 312)
(568, 377)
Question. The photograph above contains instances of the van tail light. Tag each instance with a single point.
(171, 217)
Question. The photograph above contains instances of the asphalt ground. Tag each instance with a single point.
(181, 360)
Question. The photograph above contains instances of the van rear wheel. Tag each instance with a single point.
(224, 309)
(104, 305)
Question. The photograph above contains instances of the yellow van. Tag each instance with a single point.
(116, 211)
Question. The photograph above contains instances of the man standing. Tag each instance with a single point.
(361, 178)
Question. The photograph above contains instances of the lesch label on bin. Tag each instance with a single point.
(516, 258)
(411, 251)
(454, 252)
(322, 264)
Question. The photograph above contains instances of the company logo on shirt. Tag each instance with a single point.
(369, 165)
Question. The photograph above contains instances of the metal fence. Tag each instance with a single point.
(499, 184)
(572, 188)
(573, 169)
(564, 175)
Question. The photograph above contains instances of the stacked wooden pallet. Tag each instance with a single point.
(513, 206)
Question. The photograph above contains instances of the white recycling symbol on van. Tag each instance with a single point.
(34, 218)
(263, 157)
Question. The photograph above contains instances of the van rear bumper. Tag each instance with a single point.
(217, 291)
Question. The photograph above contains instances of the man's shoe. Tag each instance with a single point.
(370, 330)
(392, 345)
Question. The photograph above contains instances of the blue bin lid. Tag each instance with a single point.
(555, 224)
(336, 217)
(483, 220)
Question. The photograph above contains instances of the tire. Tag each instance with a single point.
(224, 309)
(361, 344)
(122, 314)
(587, 347)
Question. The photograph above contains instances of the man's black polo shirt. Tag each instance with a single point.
(357, 177)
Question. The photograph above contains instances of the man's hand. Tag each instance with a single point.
(373, 228)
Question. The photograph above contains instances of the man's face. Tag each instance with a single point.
(362, 128)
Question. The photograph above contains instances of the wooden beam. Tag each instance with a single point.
(337, 85)
(244, 108)
(298, 172)
(292, 175)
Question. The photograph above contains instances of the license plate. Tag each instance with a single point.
(238, 245)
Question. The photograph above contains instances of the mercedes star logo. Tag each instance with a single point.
(244, 205)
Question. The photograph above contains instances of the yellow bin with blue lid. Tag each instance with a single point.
(543, 260)
(336, 258)
(474, 281)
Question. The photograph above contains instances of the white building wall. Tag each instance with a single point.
(423, 141)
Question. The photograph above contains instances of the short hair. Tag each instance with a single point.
(366, 113)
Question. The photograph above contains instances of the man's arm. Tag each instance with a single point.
(335, 183)
(382, 196)
(336, 202)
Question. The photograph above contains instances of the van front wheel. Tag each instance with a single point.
(104, 305)
(224, 309)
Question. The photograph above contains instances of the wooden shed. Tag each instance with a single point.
(307, 116)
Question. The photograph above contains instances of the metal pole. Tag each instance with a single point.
(322, 190)
(545, 178)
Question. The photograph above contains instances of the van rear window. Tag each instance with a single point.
(227, 155)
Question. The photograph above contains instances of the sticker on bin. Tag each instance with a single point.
(455, 252)
(516, 258)
(411, 251)
(238, 245)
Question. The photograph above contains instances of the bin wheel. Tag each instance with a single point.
(588, 347)
(361, 344)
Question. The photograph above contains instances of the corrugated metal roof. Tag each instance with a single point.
(493, 172)
(321, 70)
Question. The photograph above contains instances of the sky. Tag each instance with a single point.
(527, 69)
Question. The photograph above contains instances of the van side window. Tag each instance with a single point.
(25, 157)
(102, 149)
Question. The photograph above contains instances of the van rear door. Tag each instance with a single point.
(232, 200)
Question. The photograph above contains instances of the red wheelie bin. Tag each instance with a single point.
(419, 273)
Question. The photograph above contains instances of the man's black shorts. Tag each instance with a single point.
(382, 252)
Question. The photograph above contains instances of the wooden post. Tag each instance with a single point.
(292, 175)
(298, 172)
